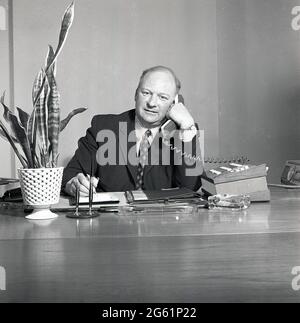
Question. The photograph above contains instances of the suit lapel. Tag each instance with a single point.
(127, 144)
(155, 153)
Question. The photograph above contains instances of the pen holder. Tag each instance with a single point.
(84, 214)
(40, 189)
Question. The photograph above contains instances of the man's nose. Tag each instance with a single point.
(152, 102)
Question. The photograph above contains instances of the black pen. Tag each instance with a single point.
(91, 170)
(91, 188)
(77, 201)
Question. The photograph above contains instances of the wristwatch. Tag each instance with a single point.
(188, 134)
(192, 127)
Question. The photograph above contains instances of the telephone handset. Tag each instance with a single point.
(176, 100)
(169, 126)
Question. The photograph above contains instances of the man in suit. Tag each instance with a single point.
(129, 151)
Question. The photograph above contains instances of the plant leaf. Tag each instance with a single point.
(37, 163)
(65, 121)
(24, 117)
(67, 21)
(2, 134)
(18, 131)
(54, 162)
(24, 160)
(7, 111)
(44, 157)
(41, 113)
(53, 118)
(32, 124)
(50, 56)
(37, 86)
(31, 133)
(9, 138)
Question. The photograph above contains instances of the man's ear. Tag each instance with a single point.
(136, 94)
(180, 98)
(175, 99)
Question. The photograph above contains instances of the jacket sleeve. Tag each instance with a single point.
(85, 153)
(188, 163)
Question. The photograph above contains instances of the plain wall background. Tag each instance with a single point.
(238, 61)
(259, 81)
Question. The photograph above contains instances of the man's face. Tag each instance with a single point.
(153, 98)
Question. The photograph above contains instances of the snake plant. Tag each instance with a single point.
(37, 134)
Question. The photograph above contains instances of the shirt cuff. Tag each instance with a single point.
(187, 135)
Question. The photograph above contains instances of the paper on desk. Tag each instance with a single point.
(101, 197)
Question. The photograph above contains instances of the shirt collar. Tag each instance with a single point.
(140, 130)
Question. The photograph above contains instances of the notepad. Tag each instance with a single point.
(101, 197)
(7, 184)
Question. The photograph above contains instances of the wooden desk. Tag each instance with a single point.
(210, 256)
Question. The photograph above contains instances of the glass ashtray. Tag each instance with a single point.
(227, 201)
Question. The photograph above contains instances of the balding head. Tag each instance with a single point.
(160, 68)
(156, 92)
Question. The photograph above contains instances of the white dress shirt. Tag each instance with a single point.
(139, 133)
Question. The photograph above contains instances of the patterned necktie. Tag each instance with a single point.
(143, 159)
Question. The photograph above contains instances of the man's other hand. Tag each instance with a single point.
(181, 116)
(82, 183)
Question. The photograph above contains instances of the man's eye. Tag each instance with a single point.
(164, 98)
(145, 93)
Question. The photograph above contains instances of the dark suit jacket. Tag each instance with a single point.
(120, 174)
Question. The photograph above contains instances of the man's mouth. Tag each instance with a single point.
(152, 112)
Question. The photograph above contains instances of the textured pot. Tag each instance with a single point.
(40, 189)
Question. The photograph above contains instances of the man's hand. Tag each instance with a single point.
(181, 116)
(82, 183)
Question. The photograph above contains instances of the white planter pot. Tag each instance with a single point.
(40, 189)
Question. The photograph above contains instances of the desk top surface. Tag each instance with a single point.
(208, 255)
(282, 214)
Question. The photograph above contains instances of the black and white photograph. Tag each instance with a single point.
(149, 154)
